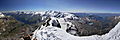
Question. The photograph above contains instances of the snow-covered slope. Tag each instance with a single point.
(55, 33)
(57, 28)
(113, 34)
(1, 15)
(60, 23)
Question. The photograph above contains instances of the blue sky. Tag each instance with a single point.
(62, 5)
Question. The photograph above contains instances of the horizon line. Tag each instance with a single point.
(70, 11)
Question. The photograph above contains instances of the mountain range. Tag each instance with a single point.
(53, 24)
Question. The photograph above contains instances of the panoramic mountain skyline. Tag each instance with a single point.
(100, 6)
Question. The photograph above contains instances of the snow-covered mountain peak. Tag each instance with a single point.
(56, 14)
(51, 11)
(1, 15)
(47, 14)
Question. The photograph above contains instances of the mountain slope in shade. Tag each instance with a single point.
(12, 29)
(54, 33)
